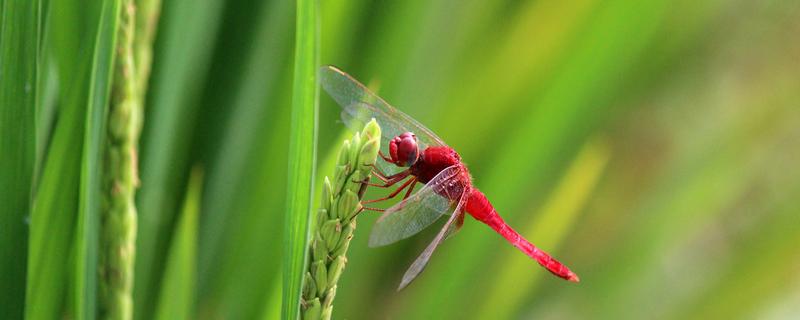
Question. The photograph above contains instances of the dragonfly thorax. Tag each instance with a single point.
(433, 160)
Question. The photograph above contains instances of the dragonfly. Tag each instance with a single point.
(417, 155)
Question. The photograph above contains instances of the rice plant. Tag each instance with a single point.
(165, 158)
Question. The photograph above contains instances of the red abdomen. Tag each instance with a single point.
(482, 210)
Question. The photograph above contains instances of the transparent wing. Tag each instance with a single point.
(419, 211)
(453, 224)
(359, 105)
(357, 114)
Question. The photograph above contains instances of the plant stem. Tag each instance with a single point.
(147, 14)
(118, 222)
(336, 222)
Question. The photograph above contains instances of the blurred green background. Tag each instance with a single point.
(652, 146)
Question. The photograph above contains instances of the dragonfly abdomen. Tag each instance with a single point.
(479, 207)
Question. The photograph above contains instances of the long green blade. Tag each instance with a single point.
(234, 273)
(183, 51)
(19, 57)
(86, 241)
(302, 153)
(176, 300)
(56, 201)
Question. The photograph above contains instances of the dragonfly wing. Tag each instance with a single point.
(359, 105)
(420, 210)
(453, 224)
(459, 222)
(358, 115)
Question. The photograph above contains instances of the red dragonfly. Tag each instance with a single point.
(421, 156)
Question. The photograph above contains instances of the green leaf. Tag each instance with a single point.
(302, 153)
(19, 60)
(56, 202)
(84, 292)
(272, 303)
(53, 219)
(234, 274)
(176, 300)
(186, 36)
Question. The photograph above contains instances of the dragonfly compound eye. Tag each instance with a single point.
(403, 149)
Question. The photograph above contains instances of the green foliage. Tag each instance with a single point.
(19, 90)
(87, 238)
(302, 155)
(650, 146)
(56, 203)
(186, 37)
(176, 300)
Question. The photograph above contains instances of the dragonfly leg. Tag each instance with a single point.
(378, 173)
(367, 209)
(390, 180)
(384, 157)
(410, 189)
(380, 176)
(411, 181)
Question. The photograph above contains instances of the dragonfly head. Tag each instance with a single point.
(403, 149)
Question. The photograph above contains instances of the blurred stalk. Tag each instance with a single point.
(132, 68)
(336, 222)
(147, 13)
(118, 221)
